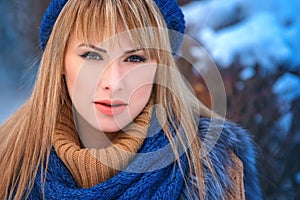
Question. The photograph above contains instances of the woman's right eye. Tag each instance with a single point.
(91, 56)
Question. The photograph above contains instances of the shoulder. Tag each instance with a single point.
(231, 152)
(223, 136)
(228, 146)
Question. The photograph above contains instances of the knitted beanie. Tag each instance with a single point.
(170, 10)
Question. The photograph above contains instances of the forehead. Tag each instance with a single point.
(122, 39)
(140, 38)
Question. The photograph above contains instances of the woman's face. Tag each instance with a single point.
(109, 83)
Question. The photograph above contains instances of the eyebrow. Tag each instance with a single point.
(104, 51)
(133, 50)
(93, 47)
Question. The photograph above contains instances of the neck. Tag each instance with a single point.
(90, 137)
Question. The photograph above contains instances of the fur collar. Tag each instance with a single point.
(224, 138)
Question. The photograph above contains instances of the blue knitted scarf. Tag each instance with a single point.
(164, 183)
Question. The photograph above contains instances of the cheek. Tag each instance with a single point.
(138, 100)
(81, 79)
(71, 72)
(140, 77)
(140, 82)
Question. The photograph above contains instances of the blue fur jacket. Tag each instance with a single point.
(229, 145)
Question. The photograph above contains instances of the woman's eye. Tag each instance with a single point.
(91, 56)
(135, 59)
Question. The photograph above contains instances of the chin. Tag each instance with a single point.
(109, 127)
(112, 124)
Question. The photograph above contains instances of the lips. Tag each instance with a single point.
(109, 107)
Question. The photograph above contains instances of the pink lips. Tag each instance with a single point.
(109, 107)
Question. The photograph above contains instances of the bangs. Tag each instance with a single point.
(99, 21)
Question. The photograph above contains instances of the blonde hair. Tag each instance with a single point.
(26, 138)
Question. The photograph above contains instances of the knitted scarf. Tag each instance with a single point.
(92, 166)
(141, 179)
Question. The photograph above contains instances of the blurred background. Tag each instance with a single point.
(256, 47)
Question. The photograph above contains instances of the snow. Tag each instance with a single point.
(201, 59)
(249, 43)
(292, 35)
(203, 14)
(247, 73)
(285, 123)
(250, 31)
(287, 87)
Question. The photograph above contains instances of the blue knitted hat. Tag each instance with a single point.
(169, 8)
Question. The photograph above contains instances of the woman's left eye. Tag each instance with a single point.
(135, 59)
(91, 56)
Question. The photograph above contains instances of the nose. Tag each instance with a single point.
(111, 78)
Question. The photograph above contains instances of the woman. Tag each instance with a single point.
(111, 118)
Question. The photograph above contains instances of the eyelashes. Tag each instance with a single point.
(90, 55)
(135, 59)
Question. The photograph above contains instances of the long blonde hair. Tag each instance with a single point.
(26, 138)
